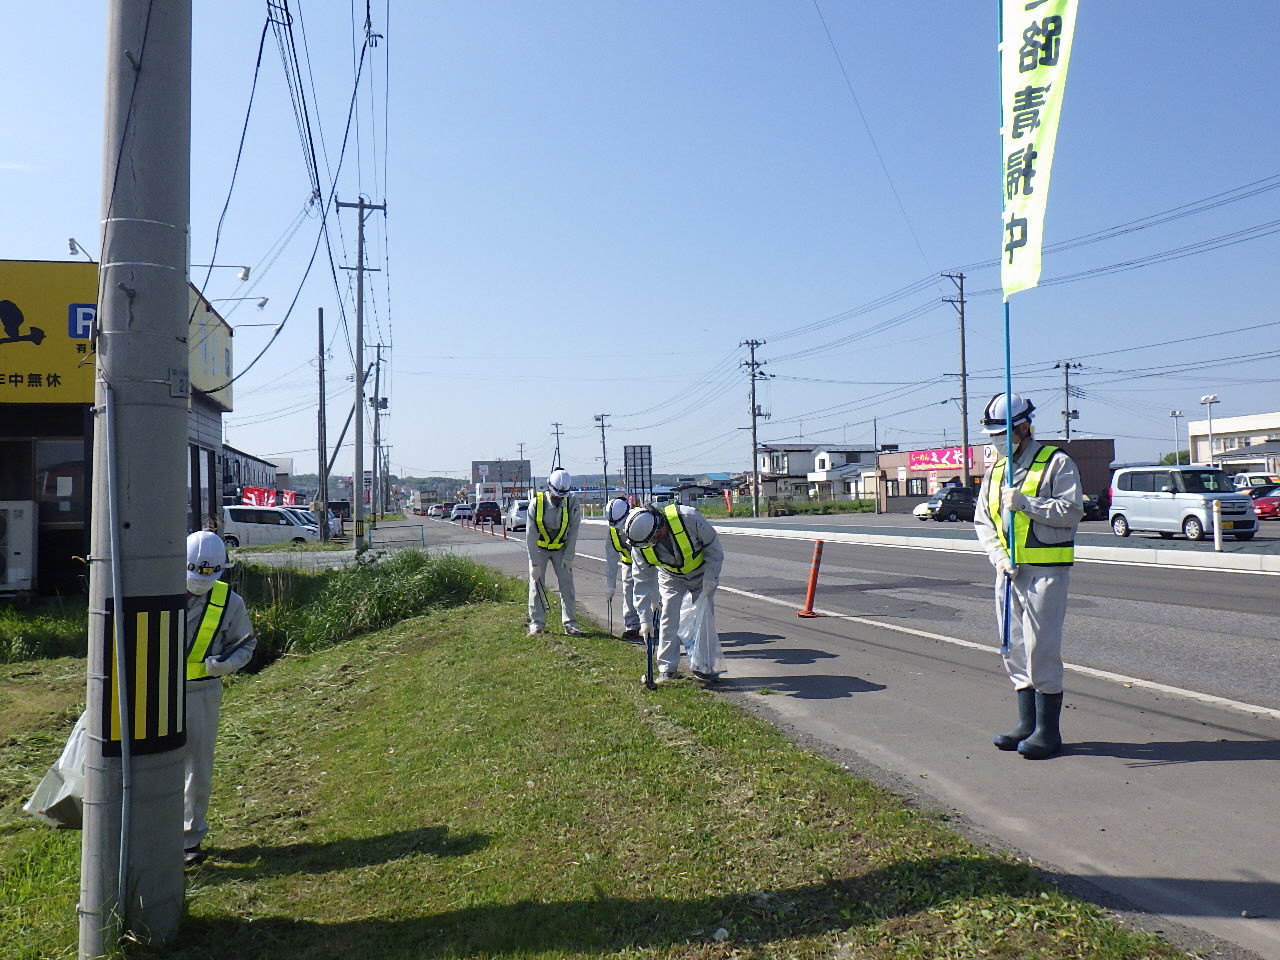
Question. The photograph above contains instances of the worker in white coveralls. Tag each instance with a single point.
(684, 549)
(617, 556)
(1044, 500)
(220, 640)
(551, 535)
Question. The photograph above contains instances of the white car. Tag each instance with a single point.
(923, 511)
(517, 515)
(461, 511)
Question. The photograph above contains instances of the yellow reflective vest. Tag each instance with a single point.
(545, 540)
(687, 560)
(1029, 548)
(209, 625)
(623, 553)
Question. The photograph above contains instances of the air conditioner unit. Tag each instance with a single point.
(17, 546)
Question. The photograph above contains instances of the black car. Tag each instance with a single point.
(488, 511)
(953, 503)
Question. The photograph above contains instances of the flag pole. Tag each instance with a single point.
(1008, 473)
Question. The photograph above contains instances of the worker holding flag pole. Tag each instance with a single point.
(1030, 502)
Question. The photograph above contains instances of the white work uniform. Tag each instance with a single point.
(613, 562)
(671, 588)
(1038, 599)
(561, 560)
(232, 647)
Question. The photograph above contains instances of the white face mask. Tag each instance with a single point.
(199, 587)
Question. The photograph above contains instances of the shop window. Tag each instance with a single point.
(891, 488)
(15, 470)
(917, 487)
(60, 481)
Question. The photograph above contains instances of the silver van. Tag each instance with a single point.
(1169, 500)
(250, 526)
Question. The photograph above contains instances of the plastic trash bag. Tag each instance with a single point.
(58, 799)
(703, 643)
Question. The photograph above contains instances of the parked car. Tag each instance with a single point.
(1266, 502)
(1168, 500)
(517, 515)
(950, 504)
(1093, 509)
(460, 511)
(439, 510)
(488, 511)
(1245, 481)
(922, 511)
(251, 526)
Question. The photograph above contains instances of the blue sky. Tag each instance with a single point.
(592, 204)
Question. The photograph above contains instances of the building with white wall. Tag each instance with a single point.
(1243, 443)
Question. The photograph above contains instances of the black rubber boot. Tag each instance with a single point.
(1026, 721)
(1047, 740)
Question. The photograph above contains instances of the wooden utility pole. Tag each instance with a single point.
(131, 879)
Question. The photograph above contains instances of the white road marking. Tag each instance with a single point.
(1207, 698)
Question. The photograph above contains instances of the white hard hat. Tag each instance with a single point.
(642, 525)
(560, 482)
(616, 510)
(206, 555)
(995, 418)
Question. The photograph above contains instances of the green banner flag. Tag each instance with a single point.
(1035, 48)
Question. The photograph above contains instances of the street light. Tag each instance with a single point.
(1208, 400)
(74, 247)
(243, 276)
(1177, 457)
(262, 301)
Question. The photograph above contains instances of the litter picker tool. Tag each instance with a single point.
(649, 641)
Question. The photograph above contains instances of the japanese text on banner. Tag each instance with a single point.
(1034, 51)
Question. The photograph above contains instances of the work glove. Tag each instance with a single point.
(1011, 499)
(217, 668)
(1004, 566)
(710, 585)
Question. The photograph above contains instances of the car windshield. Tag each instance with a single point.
(1205, 481)
(1259, 492)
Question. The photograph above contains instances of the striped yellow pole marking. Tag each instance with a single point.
(162, 717)
(140, 661)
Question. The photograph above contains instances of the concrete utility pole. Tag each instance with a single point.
(323, 466)
(958, 280)
(555, 464)
(131, 847)
(604, 453)
(1067, 414)
(753, 371)
(363, 209)
(520, 471)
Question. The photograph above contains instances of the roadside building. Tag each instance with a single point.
(909, 477)
(1246, 443)
(784, 469)
(837, 472)
(46, 397)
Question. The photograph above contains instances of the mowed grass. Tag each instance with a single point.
(449, 787)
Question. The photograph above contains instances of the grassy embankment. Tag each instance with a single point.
(448, 787)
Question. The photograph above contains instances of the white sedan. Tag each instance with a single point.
(923, 511)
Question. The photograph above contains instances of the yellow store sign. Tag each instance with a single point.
(46, 319)
(47, 310)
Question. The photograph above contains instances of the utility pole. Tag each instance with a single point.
(555, 464)
(1067, 414)
(958, 280)
(520, 470)
(363, 209)
(604, 454)
(753, 371)
(376, 403)
(131, 879)
(323, 466)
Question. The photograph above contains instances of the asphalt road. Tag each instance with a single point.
(1166, 794)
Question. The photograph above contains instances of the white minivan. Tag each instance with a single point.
(250, 526)
(1168, 500)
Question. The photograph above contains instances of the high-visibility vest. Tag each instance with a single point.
(545, 540)
(623, 553)
(687, 560)
(1029, 548)
(209, 625)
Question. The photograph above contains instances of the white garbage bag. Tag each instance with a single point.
(58, 799)
(705, 653)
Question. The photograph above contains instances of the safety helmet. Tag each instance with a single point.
(560, 482)
(995, 418)
(642, 525)
(206, 555)
(616, 511)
